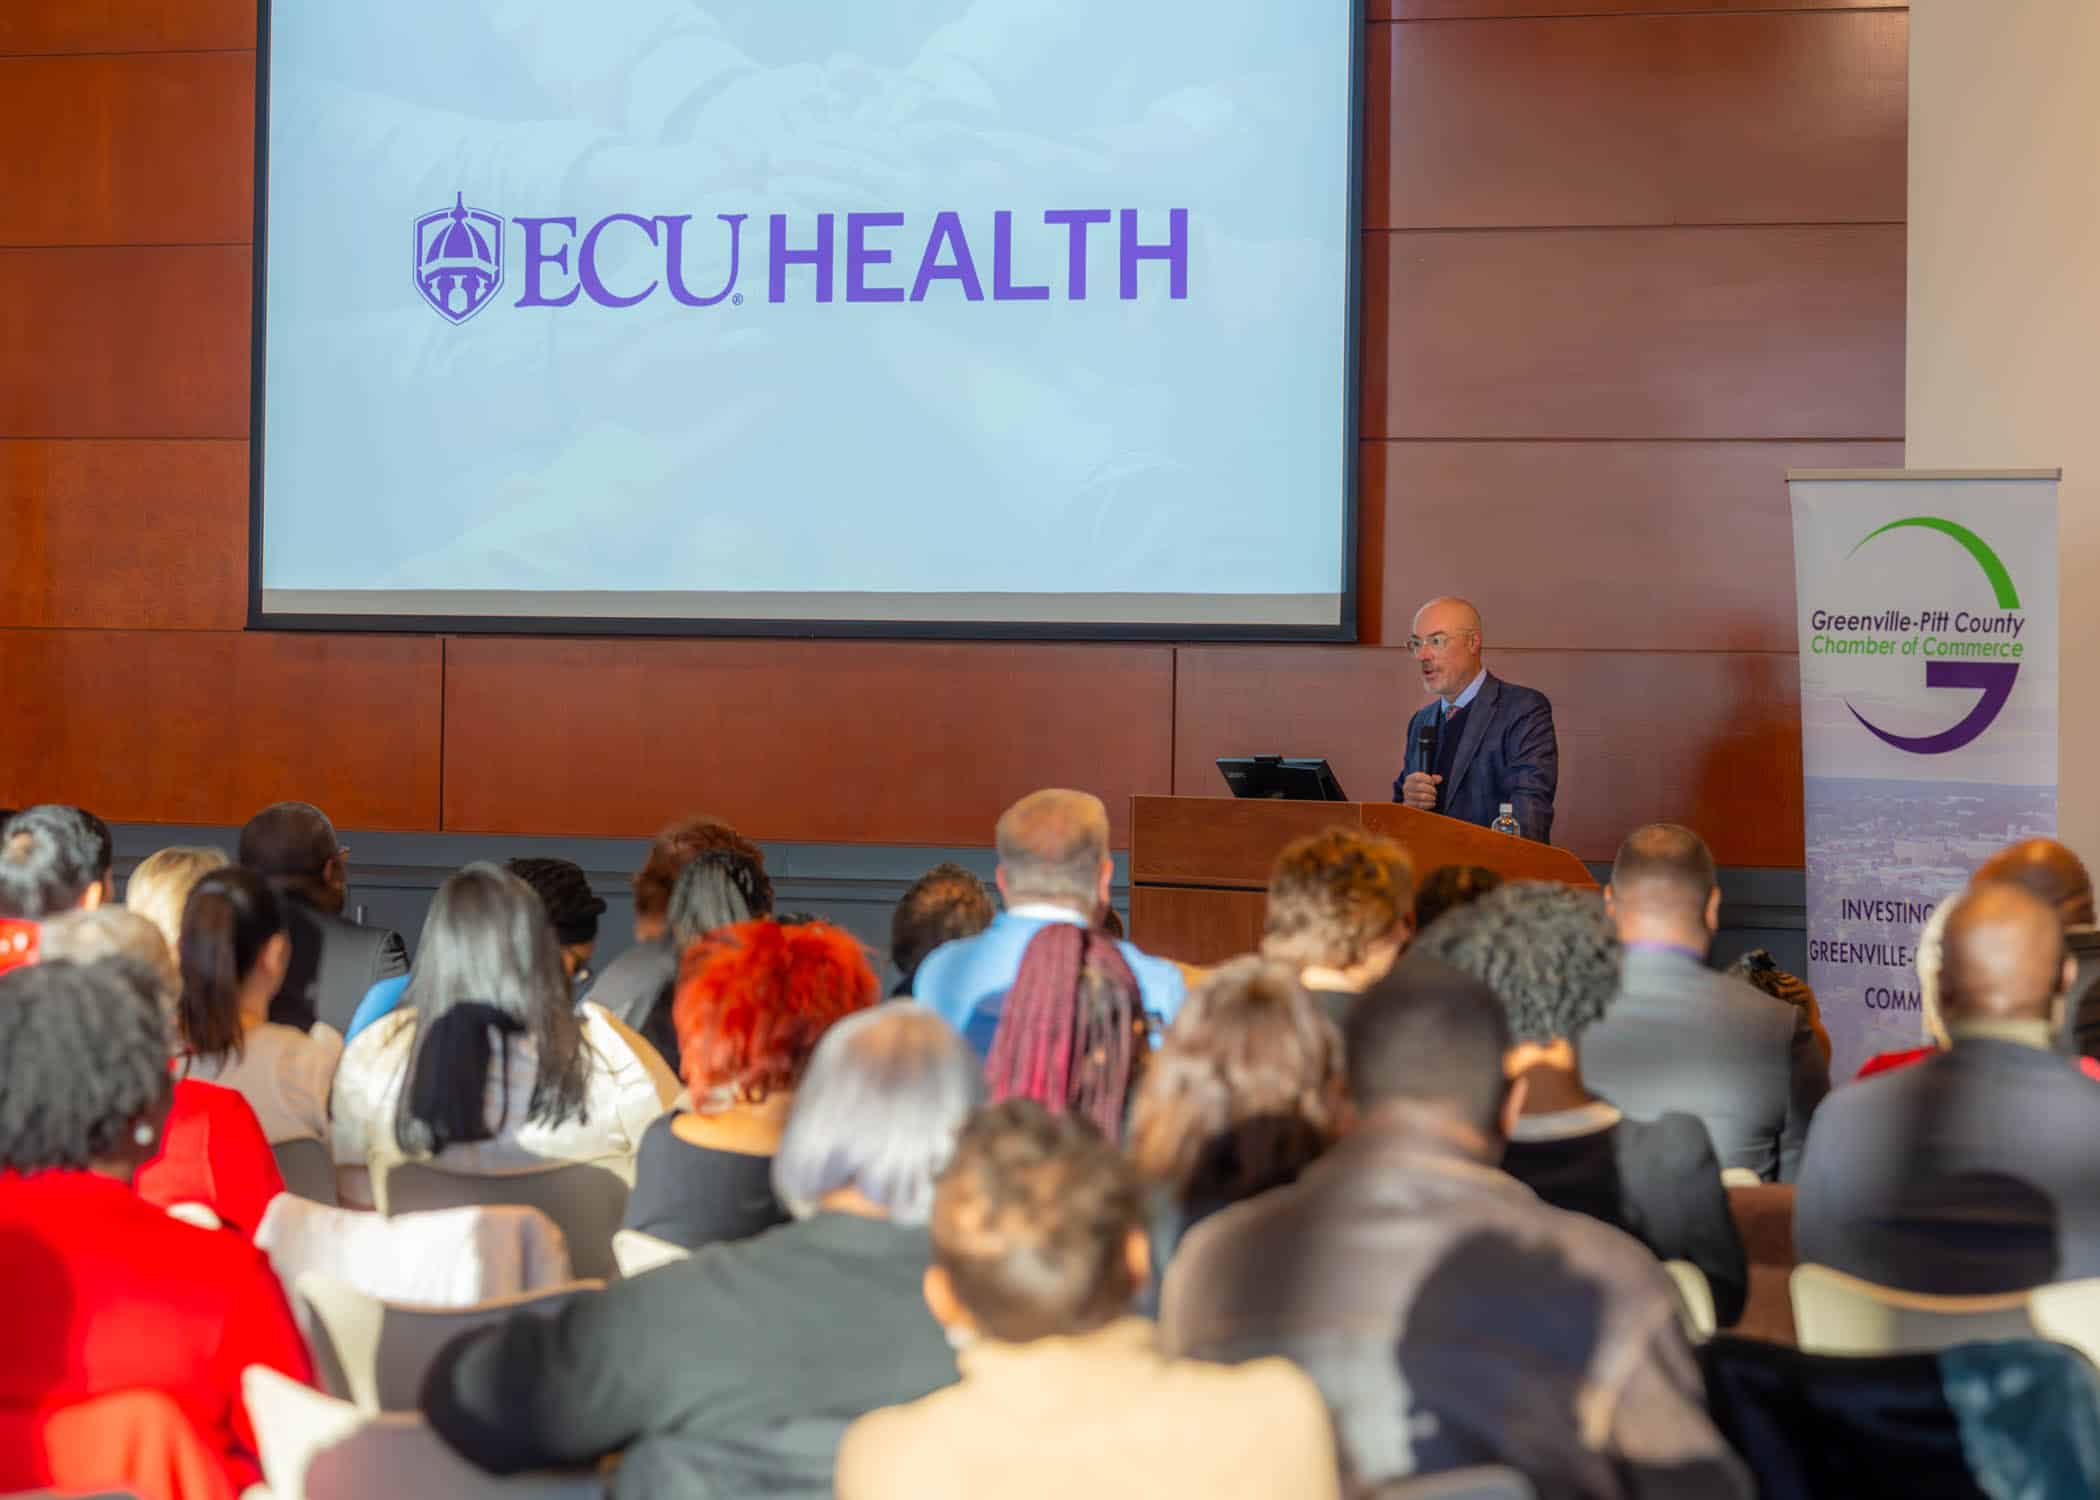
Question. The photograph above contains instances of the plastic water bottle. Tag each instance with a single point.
(1507, 822)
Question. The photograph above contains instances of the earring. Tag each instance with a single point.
(142, 1133)
(960, 1338)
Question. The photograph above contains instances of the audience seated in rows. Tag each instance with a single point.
(334, 960)
(1682, 1037)
(106, 1292)
(488, 1065)
(735, 1372)
(1449, 887)
(1448, 1316)
(631, 987)
(1974, 1170)
(944, 904)
(754, 1000)
(572, 910)
(1072, 1031)
(1245, 1090)
(160, 887)
(1551, 959)
(1054, 867)
(212, 1150)
(234, 952)
(1039, 1247)
(1340, 909)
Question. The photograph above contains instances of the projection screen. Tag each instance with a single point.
(919, 317)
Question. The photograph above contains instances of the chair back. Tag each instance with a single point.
(315, 1447)
(586, 1202)
(1764, 1221)
(1485, 1482)
(375, 1354)
(1695, 1300)
(638, 1252)
(307, 1168)
(1839, 1314)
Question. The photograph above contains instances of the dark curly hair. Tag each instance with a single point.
(85, 1055)
(944, 904)
(1547, 950)
(572, 906)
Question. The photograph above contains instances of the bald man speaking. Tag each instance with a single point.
(1481, 742)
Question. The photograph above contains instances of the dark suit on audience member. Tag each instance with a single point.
(334, 961)
(1974, 1171)
(2081, 1033)
(1505, 752)
(1681, 1037)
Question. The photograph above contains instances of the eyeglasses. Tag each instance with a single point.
(1436, 640)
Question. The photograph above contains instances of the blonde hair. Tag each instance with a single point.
(1051, 844)
(160, 887)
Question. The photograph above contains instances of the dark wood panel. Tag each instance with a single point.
(1605, 546)
(1196, 927)
(1708, 739)
(197, 727)
(129, 342)
(139, 149)
(1760, 332)
(1203, 841)
(124, 535)
(124, 25)
(841, 741)
(1496, 10)
(1645, 119)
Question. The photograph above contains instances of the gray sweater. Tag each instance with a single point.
(733, 1373)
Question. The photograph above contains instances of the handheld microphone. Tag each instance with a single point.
(1425, 750)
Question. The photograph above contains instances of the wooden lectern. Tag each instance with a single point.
(1199, 865)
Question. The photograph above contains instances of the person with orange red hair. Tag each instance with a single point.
(753, 1000)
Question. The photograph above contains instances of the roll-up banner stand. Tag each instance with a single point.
(1927, 603)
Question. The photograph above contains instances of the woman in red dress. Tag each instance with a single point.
(106, 1293)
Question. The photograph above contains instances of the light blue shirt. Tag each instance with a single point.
(1472, 691)
(966, 981)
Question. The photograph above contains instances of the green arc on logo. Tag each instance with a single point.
(1986, 559)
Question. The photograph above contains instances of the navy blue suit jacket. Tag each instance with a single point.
(1506, 753)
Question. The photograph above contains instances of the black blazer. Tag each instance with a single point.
(1507, 752)
(1974, 1171)
(334, 961)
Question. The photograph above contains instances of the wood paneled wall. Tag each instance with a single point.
(1625, 262)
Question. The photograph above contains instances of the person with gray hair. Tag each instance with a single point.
(736, 1371)
(1551, 957)
(86, 937)
(1054, 867)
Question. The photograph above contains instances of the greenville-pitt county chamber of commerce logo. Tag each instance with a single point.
(1961, 648)
(879, 257)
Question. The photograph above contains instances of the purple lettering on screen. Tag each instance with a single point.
(781, 257)
(587, 262)
(947, 230)
(535, 257)
(860, 255)
(1003, 288)
(1175, 252)
(674, 257)
(1076, 221)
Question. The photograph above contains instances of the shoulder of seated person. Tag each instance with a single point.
(1675, 1137)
